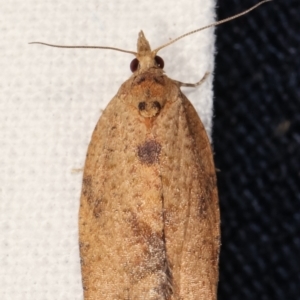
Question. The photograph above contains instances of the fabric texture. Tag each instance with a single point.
(257, 149)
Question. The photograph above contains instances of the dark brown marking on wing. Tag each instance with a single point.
(140, 79)
(156, 104)
(142, 105)
(159, 79)
(148, 152)
(152, 260)
(87, 190)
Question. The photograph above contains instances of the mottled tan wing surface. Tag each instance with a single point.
(149, 217)
(191, 206)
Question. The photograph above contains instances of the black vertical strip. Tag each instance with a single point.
(257, 144)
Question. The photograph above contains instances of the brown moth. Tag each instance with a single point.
(149, 224)
(149, 218)
(149, 215)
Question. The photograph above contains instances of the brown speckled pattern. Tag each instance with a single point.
(149, 216)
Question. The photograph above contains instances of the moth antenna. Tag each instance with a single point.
(165, 45)
(85, 47)
(211, 25)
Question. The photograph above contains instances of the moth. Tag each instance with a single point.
(149, 223)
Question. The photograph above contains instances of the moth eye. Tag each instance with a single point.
(159, 61)
(134, 65)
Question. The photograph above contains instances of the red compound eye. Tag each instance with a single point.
(159, 61)
(134, 65)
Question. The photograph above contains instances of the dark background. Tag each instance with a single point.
(257, 149)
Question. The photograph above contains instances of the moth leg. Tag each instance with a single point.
(179, 83)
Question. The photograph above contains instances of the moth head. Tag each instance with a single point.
(144, 63)
(145, 58)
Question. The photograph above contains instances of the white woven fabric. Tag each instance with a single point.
(50, 101)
